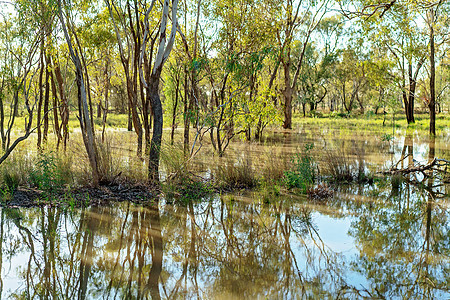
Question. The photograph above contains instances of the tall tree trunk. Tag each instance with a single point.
(155, 146)
(287, 93)
(46, 102)
(186, 114)
(106, 104)
(432, 103)
(41, 97)
(56, 127)
(85, 118)
(153, 85)
(174, 112)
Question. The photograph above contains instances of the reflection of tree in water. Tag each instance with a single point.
(68, 257)
(405, 249)
(252, 250)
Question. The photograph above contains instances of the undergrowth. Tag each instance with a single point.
(303, 172)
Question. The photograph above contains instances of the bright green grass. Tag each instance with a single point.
(375, 122)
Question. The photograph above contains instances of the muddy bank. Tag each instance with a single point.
(81, 197)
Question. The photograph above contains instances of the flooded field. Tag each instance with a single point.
(380, 240)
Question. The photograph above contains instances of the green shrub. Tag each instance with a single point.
(11, 181)
(187, 188)
(50, 172)
(303, 171)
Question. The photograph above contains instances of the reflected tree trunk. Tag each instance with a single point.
(86, 255)
(157, 252)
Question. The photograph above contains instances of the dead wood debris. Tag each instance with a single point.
(321, 192)
(440, 166)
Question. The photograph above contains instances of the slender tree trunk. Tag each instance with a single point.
(130, 120)
(106, 104)
(411, 96)
(56, 127)
(174, 112)
(41, 97)
(85, 118)
(155, 146)
(46, 103)
(432, 103)
(287, 93)
(186, 113)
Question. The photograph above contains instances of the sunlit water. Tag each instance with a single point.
(369, 241)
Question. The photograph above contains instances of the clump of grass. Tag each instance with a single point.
(108, 165)
(338, 166)
(181, 185)
(342, 166)
(173, 160)
(273, 167)
(16, 169)
(303, 171)
(236, 175)
(268, 191)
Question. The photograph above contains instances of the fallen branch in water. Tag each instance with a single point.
(437, 164)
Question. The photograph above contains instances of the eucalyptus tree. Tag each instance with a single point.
(398, 28)
(147, 49)
(128, 30)
(152, 76)
(437, 20)
(18, 68)
(85, 116)
(97, 32)
(301, 19)
(314, 77)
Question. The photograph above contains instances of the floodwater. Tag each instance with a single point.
(382, 240)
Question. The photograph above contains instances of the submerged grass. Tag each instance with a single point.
(236, 175)
(341, 165)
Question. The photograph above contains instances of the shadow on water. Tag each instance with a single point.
(388, 240)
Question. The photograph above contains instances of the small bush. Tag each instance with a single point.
(303, 171)
(50, 172)
(187, 188)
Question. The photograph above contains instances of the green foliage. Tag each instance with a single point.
(50, 172)
(186, 189)
(268, 191)
(386, 137)
(303, 171)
